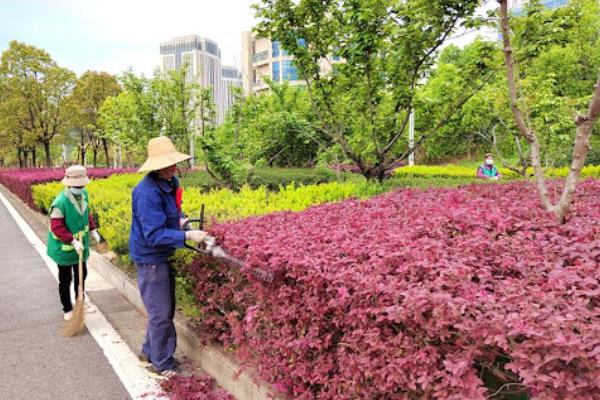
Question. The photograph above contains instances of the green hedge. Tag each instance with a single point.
(274, 178)
(271, 178)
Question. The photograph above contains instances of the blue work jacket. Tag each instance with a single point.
(155, 232)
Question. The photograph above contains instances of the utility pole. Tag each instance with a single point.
(411, 137)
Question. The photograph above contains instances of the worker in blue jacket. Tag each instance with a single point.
(156, 231)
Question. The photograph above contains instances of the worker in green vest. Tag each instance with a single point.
(69, 215)
(488, 170)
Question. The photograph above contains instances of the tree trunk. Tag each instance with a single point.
(46, 144)
(82, 148)
(20, 157)
(105, 146)
(94, 155)
(585, 125)
(34, 158)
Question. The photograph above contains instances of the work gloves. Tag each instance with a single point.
(183, 223)
(77, 245)
(95, 235)
(197, 236)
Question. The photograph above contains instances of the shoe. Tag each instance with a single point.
(68, 315)
(168, 373)
(144, 359)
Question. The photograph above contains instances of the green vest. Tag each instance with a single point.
(489, 172)
(76, 220)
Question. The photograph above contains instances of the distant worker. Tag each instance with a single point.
(487, 170)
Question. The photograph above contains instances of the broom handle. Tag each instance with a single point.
(80, 288)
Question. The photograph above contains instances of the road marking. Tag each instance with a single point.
(137, 380)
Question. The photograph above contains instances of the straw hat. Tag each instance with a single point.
(76, 175)
(162, 154)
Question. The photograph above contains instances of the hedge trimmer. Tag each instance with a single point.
(213, 250)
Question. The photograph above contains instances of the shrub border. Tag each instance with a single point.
(212, 359)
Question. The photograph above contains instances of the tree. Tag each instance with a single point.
(462, 132)
(178, 99)
(131, 118)
(583, 124)
(277, 128)
(146, 102)
(387, 48)
(35, 90)
(119, 119)
(91, 89)
(219, 164)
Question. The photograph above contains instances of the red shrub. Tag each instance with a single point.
(19, 181)
(442, 294)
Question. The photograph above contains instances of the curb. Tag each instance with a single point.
(236, 380)
(228, 374)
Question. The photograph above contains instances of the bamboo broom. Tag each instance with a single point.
(75, 325)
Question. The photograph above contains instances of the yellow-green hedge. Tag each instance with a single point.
(110, 201)
(445, 171)
(455, 171)
(589, 171)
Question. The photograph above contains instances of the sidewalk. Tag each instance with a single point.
(38, 363)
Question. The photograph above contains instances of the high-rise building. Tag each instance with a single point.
(263, 58)
(232, 77)
(203, 59)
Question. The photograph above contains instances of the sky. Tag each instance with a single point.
(114, 35)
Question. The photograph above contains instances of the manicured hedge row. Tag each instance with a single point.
(455, 171)
(445, 171)
(271, 178)
(437, 294)
(20, 181)
(110, 201)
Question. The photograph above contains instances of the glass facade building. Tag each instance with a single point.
(289, 73)
(276, 76)
(264, 58)
(202, 58)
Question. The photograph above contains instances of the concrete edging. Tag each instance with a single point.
(229, 375)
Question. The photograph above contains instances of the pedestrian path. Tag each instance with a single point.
(38, 363)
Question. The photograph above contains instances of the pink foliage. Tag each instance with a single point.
(442, 294)
(197, 387)
(19, 181)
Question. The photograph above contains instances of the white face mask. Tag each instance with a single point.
(76, 191)
(489, 162)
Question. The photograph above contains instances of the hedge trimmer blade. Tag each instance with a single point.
(217, 252)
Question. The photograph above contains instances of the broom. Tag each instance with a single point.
(75, 325)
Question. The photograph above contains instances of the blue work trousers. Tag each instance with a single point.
(157, 286)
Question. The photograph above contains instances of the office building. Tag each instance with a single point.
(263, 58)
(203, 59)
(232, 77)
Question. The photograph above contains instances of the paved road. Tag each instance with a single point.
(35, 361)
